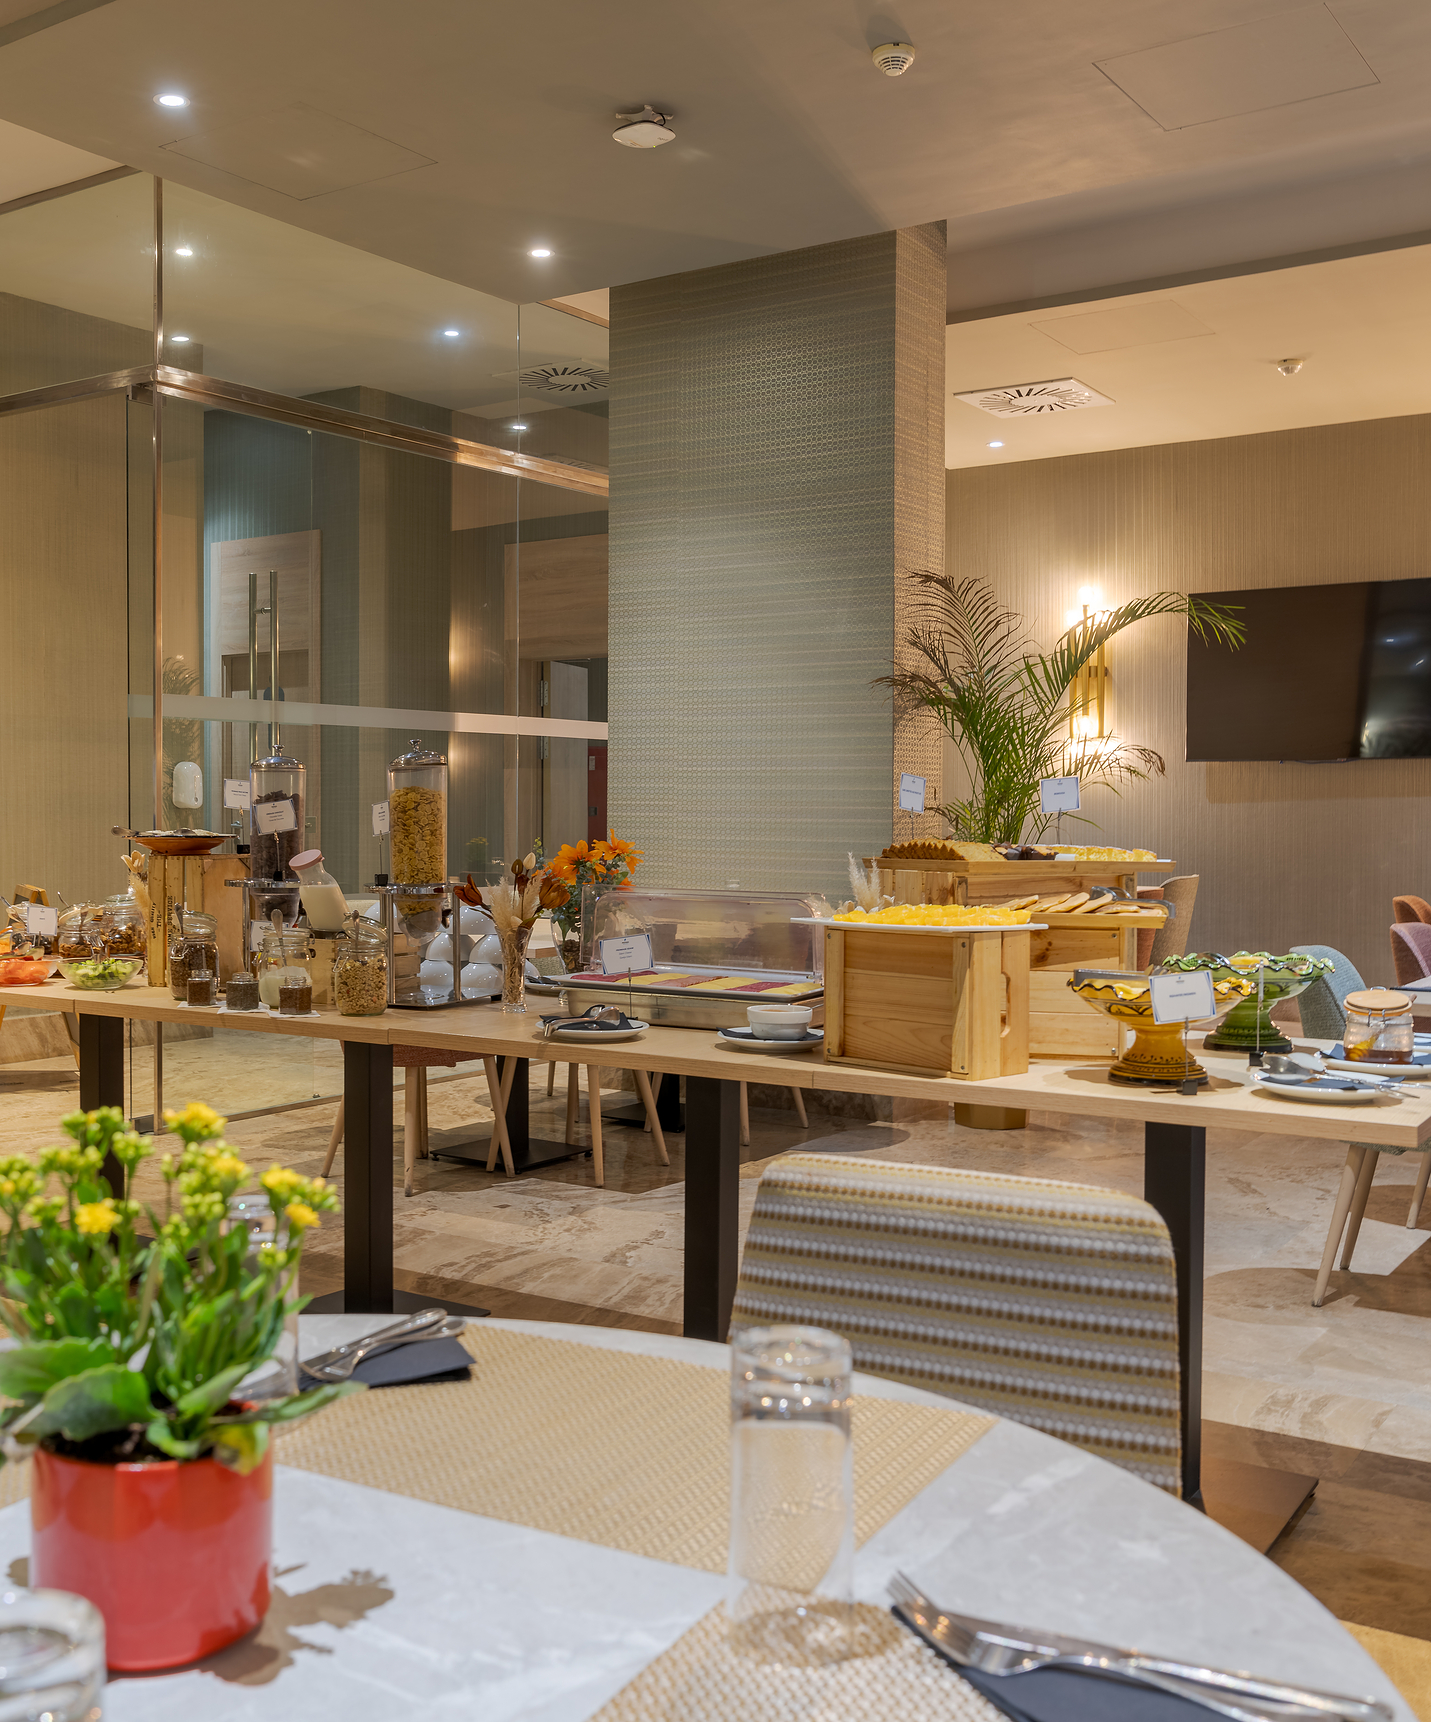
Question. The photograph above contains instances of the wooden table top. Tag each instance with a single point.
(1078, 1086)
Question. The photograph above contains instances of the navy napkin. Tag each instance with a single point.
(422, 1360)
(1064, 1695)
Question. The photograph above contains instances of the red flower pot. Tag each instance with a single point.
(174, 1555)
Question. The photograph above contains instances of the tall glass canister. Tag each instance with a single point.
(278, 799)
(417, 819)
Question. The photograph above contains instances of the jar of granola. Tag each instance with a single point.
(360, 972)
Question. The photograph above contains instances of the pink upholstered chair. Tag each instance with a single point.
(1411, 951)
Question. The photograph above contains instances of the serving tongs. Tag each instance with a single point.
(595, 1014)
(1001, 1650)
(1313, 1070)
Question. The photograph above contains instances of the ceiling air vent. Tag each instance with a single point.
(1022, 400)
(566, 380)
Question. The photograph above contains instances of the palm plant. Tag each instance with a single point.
(1006, 704)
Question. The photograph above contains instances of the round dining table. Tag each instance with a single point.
(387, 1607)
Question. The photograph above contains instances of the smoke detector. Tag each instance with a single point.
(1023, 400)
(894, 58)
(648, 129)
(1289, 367)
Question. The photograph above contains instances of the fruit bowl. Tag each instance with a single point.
(1248, 1026)
(1158, 1052)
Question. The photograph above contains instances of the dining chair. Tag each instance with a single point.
(1411, 909)
(1411, 951)
(1051, 1304)
(1321, 1005)
(1171, 939)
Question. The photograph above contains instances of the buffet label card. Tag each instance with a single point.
(1058, 794)
(42, 921)
(275, 816)
(911, 793)
(381, 822)
(626, 956)
(1183, 998)
(237, 791)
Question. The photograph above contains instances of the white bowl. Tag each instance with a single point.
(779, 1022)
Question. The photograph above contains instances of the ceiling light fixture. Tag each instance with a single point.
(172, 99)
(183, 251)
(996, 445)
(179, 340)
(540, 251)
(452, 334)
(519, 427)
(648, 129)
(1290, 367)
(894, 58)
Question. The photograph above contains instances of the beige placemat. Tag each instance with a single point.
(700, 1679)
(609, 1447)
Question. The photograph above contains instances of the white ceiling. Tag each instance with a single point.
(31, 162)
(1010, 126)
(1201, 361)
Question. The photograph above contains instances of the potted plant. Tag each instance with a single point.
(1006, 704)
(152, 1486)
(606, 865)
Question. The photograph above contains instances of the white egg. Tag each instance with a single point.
(489, 950)
(479, 979)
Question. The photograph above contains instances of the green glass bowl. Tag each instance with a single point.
(1248, 1026)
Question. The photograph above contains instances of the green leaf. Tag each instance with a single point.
(297, 1405)
(210, 1395)
(89, 1404)
(160, 1434)
(240, 1446)
(30, 1371)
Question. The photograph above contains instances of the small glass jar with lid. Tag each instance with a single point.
(417, 826)
(1380, 1028)
(360, 972)
(284, 960)
(78, 938)
(277, 799)
(193, 945)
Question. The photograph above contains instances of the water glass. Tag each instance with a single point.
(789, 1584)
(51, 1657)
(277, 1376)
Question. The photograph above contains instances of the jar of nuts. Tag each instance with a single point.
(360, 972)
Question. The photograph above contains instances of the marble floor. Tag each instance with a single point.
(1342, 1392)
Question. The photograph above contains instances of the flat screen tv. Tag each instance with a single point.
(1327, 673)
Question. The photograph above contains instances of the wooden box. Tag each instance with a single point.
(928, 1001)
(195, 882)
(997, 881)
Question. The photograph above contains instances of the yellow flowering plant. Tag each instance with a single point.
(132, 1343)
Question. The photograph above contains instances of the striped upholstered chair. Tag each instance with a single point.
(1051, 1304)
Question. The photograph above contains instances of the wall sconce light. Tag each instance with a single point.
(1087, 698)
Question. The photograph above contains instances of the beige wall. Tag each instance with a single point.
(1288, 854)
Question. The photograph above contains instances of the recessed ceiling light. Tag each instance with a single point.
(519, 427)
(452, 334)
(541, 251)
(178, 340)
(996, 445)
(172, 100)
(183, 251)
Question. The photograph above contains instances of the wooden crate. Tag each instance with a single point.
(937, 1001)
(1060, 1024)
(997, 881)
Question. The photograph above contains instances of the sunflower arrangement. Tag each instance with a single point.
(131, 1346)
(606, 864)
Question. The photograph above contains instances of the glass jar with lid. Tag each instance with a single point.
(78, 937)
(360, 972)
(193, 946)
(125, 927)
(1380, 1028)
(417, 829)
(285, 959)
(277, 799)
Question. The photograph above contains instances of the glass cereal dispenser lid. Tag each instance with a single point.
(419, 765)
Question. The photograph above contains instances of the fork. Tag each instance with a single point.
(341, 1368)
(1002, 1650)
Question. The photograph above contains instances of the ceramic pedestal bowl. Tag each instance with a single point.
(1158, 1052)
(1248, 1026)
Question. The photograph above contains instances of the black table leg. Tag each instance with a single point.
(1255, 1502)
(528, 1151)
(1174, 1182)
(367, 1177)
(101, 1077)
(670, 1113)
(712, 1204)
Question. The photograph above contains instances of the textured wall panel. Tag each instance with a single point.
(760, 514)
(1288, 854)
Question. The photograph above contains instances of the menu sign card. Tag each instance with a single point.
(628, 955)
(1183, 998)
(274, 816)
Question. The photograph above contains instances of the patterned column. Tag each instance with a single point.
(777, 473)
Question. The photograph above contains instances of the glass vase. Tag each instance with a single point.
(514, 969)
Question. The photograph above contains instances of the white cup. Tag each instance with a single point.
(779, 1022)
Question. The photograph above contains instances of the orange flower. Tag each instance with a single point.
(623, 853)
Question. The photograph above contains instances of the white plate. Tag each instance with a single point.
(749, 1042)
(1327, 1096)
(1412, 1072)
(600, 1036)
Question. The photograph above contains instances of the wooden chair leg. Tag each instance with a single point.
(71, 1022)
(744, 1116)
(573, 1102)
(334, 1139)
(593, 1097)
(1418, 1195)
(423, 1152)
(410, 1125)
(1358, 1207)
(501, 1142)
(799, 1100)
(653, 1123)
(1350, 1174)
(551, 1078)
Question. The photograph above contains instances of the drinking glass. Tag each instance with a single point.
(277, 1376)
(51, 1657)
(789, 1584)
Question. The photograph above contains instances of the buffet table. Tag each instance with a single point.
(1174, 1125)
(392, 1603)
